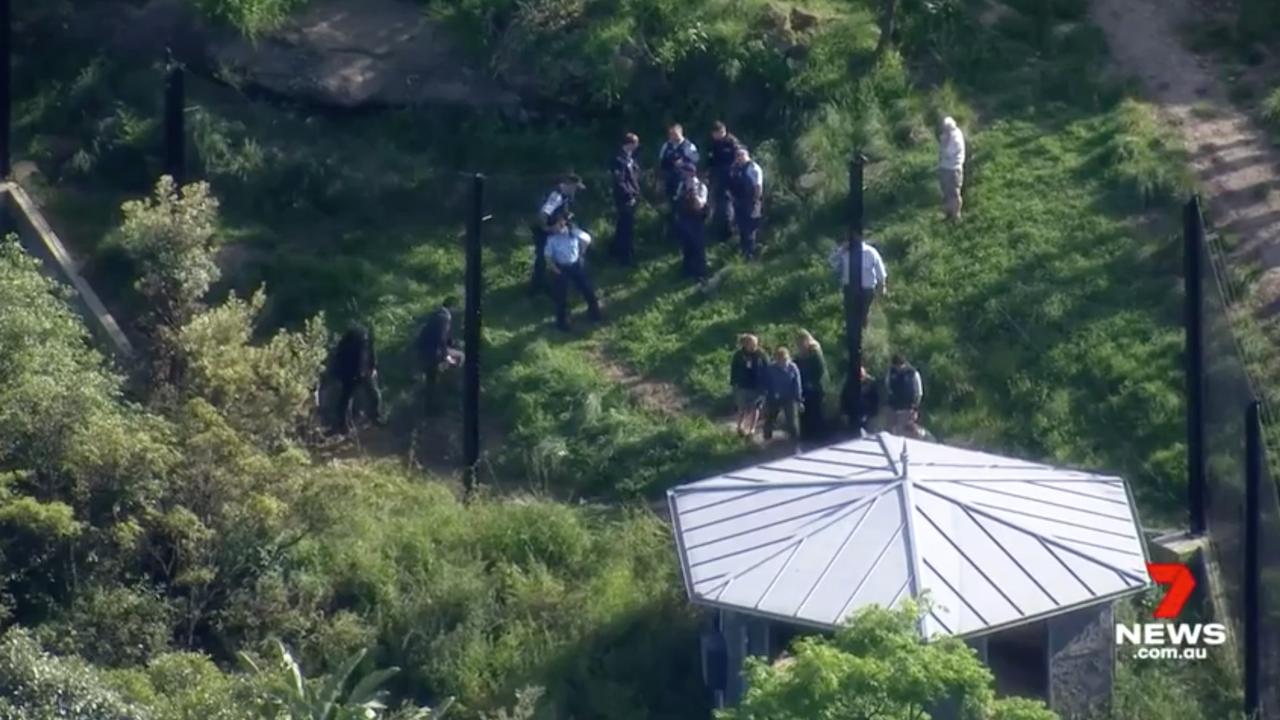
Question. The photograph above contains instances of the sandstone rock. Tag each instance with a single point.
(802, 21)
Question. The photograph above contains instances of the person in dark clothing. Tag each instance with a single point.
(626, 195)
(813, 373)
(870, 390)
(905, 393)
(746, 185)
(783, 394)
(437, 347)
(747, 378)
(691, 224)
(355, 366)
(559, 200)
(676, 152)
(723, 151)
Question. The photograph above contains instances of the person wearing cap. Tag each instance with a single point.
(626, 195)
(951, 151)
(722, 154)
(746, 183)
(559, 200)
(566, 246)
(691, 219)
(875, 278)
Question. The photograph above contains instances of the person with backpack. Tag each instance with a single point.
(783, 394)
(813, 374)
(355, 367)
(747, 378)
(437, 348)
(905, 394)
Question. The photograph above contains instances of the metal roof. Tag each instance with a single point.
(996, 542)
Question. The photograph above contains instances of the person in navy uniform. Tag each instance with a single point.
(355, 366)
(557, 201)
(675, 153)
(746, 184)
(723, 151)
(690, 202)
(437, 347)
(566, 248)
(626, 195)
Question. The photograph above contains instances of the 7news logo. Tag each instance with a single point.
(1172, 640)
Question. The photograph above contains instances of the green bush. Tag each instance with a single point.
(113, 626)
(1144, 158)
(38, 686)
(1271, 109)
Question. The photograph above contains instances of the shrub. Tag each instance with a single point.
(252, 17)
(1143, 157)
(1271, 109)
(37, 686)
(114, 626)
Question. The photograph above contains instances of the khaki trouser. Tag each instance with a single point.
(952, 184)
(904, 423)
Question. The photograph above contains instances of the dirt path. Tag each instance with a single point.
(1235, 164)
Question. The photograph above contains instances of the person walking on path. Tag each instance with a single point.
(905, 393)
(626, 195)
(746, 182)
(437, 347)
(813, 375)
(951, 152)
(870, 406)
(875, 278)
(355, 367)
(747, 378)
(691, 224)
(723, 154)
(566, 247)
(783, 394)
(558, 201)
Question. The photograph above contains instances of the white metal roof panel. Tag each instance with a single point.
(993, 541)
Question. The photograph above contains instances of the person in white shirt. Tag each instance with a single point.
(565, 248)
(875, 278)
(951, 167)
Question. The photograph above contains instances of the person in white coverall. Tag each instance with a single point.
(951, 167)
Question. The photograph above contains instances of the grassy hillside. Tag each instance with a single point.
(1047, 325)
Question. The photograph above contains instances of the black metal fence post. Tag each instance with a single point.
(6, 60)
(1193, 249)
(174, 121)
(471, 394)
(1252, 567)
(853, 290)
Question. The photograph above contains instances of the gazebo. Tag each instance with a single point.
(1020, 559)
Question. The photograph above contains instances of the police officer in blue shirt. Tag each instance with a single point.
(566, 246)
(626, 195)
(746, 185)
(559, 200)
(691, 218)
(724, 148)
(676, 152)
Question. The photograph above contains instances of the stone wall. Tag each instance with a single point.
(1082, 663)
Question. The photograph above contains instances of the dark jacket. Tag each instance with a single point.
(748, 197)
(626, 179)
(902, 391)
(747, 371)
(782, 383)
(870, 389)
(813, 371)
(355, 358)
(436, 336)
(720, 158)
(671, 157)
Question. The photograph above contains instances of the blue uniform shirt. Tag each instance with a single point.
(671, 156)
(565, 247)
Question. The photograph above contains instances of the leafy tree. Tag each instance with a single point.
(37, 686)
(329, 699)
(173, 236)
(876, 668)
(263, 390)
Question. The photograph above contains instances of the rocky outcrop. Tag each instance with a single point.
(342, 53)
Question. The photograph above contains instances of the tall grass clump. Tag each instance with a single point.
(1271, 109)
(1145, 160)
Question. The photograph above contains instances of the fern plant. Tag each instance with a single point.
(298, 698)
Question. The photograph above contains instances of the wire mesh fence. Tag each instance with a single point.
(1230, 387)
